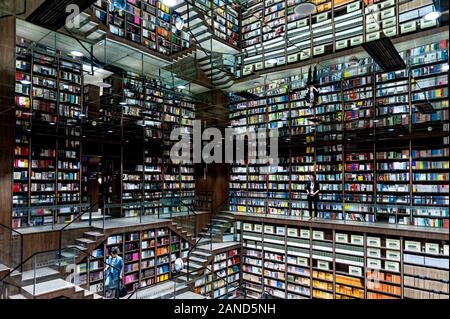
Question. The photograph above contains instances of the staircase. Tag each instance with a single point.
(89, 30)
(209, 47)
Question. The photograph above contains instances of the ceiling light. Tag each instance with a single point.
(104, 85)
(84, 136)
(391, 130)
(376, 121)
(169, 3)
(52, 123)
(431, 16)
(110, 131)
(76, 53)
(28, 82)
(181, 87)
(305, 8)
(272, 61)
(123, 103)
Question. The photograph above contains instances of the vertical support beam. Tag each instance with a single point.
(7, 115)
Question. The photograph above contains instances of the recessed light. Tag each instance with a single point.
(181, 87)
(104, 85)
(123, 103)
(110, 131)
(76, 53)
(25, 82)
(82, 115)
(433, 15)
(84, 136)
(391, 130)
(376, 121)
(52, 123)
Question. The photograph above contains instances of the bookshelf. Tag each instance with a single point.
(379, 180)
(146, 22)
(47, 171)
(305, 261)
(334, 26)
(222, 277)
(148, 257)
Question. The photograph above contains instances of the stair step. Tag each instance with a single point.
(18, 296)
(198, 260)
(85, 241)
(39, 273)
(200, 253)
(47, 287)
(77, 247)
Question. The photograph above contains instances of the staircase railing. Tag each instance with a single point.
(11, 246)
(41, 266)
(210, 229)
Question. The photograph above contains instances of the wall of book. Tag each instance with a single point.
(296, 262)
(364, 140)
(148, 255)
(147, 22)
(273, 35)
(47, 155)
(221, 279)
(223, 18)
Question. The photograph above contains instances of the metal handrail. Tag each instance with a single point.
(211, 227)
(21, 241)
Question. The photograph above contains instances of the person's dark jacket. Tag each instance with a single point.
(316, 188)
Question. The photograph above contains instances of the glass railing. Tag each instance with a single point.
(58, 273)
(11, 248)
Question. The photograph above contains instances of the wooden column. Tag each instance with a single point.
(7, 115)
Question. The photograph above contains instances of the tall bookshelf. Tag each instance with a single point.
(47, 171)
(147, 22)
(335, 25)
(364, 146)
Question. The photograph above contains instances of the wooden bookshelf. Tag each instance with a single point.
(364, 147)
(146, 22)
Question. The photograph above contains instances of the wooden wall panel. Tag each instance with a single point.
(7, 115)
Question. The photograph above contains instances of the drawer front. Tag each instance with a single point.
(341, 44)
(318, 235)
(353, 6)
(322, 17)
(356, 40)
(373, 263)
(357, 240)
(392, 266)
(302, 262)
(373, 241)
(374, 252)
(341, 238)
(372, 27)
(386, 4)
(293, 232)
(268, 229)
(372, 36)
(432, 248)
(304, 233)
(408, 27)
(302, 23)
(258, 228)
(259, 66)
(319, 50)
(247, 226)
(388, 23)
(393, 255)
(393, 243)
(388, 13)
(412, 245)
(306, 54)
(357, 271)
(427, 24)
(292, 58)
(323, 265)
(390, 32)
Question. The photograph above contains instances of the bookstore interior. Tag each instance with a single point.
(95, 205)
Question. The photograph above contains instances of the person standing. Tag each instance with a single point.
(312, 191)
(114, 273)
